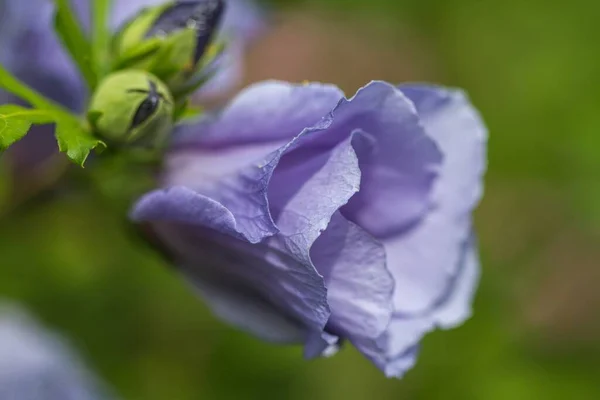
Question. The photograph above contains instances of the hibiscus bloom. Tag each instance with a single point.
(301, 216)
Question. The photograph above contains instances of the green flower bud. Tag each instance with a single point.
(132, 107)
(170, 40)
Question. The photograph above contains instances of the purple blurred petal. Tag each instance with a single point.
(37, 365)
(244, 20)
(424, 260)
(228, 73)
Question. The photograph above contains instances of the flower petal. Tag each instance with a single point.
(224, 191)
(184, 205)
(245, 308)
(406, 331)
(452, 310)
(265, 112)
(233, 184)
(398, 163)
(321, 344)
(278, 270)
(425, 258)
(456, 307)
(359, 286)
(283, 299)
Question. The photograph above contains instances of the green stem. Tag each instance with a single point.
(13, 85)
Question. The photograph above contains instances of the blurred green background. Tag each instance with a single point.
(531, 67)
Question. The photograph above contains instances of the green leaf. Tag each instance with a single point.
(12, 130)
(74, 40)
(75, 140)
(24, 92)
(101, 36)
(15, 122)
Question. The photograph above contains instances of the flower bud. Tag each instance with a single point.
(132, 107)
(169, 40)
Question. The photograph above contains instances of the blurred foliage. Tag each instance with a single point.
(531, 67)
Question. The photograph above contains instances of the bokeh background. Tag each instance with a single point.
(533, 69)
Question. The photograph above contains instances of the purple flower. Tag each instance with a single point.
(304, 217)
(37, 365)
(30, 49)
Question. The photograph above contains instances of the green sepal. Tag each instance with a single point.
(133, 32)
(204, 72)
(185, 112)
(75, 41)
(136, 55)
(180, 108)
(101, 37)
(174, 59)
(193, 85)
